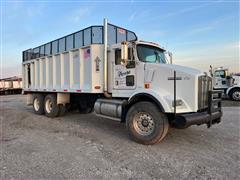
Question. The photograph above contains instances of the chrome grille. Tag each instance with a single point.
(204, 85)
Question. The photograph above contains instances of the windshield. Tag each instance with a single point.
(220, 73)
(150, 54)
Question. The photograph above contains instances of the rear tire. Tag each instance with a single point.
(146, 124)
(50, 106)
(38, 104)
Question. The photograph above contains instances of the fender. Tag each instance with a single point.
(230, 88)
(162, 103)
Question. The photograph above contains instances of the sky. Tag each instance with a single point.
(198, 33)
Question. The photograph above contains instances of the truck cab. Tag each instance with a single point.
(229, 84)
(220, 78)
(146, 70)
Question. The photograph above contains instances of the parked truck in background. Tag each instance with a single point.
(107, 69)
(11, 85)
(228, 83)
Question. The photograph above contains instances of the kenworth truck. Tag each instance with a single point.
(108, 70)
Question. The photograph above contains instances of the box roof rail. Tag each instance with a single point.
(84, 37)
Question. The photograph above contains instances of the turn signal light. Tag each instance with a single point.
(146, 85)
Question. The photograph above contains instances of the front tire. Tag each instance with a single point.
(235, 94)
(146, 124)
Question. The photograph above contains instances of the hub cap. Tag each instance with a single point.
(36, 104)
(48, 105)
(236, 95)
(143, 123)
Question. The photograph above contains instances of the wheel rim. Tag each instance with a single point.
(36, 104)
(48, 105)
(143, 123)
(236, 95)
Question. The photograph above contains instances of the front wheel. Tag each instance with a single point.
(235, 94)
(146, 124)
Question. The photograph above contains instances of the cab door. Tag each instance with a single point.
(220, 81)
(124, 74)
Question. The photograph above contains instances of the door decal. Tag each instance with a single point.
(121, 73)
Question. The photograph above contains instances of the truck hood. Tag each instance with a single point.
(178, 68)
(160, 78)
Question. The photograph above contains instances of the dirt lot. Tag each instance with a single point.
(88, 147)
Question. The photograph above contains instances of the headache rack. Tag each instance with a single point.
(84, 37)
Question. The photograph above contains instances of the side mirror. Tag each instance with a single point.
(124, 52)
(211, 71)
(168, 56)
(226, 73)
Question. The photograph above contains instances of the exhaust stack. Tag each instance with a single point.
(105, 86)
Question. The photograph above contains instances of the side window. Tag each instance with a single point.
(118, 56)
(130, 80)
(131, 62)
(220, 74)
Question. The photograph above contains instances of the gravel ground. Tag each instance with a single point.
(88, 147)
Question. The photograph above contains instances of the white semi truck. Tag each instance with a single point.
(229, 84)
(108, 70)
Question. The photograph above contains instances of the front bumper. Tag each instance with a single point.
(211, 116)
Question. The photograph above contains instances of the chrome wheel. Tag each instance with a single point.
(236, 95)
(48, 106)
(36, 104)
(143, 123)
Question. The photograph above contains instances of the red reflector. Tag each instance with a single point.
(97, 87)
(65, 90)
(78, 90)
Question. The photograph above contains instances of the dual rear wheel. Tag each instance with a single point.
(47, 105)
(38, 104)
